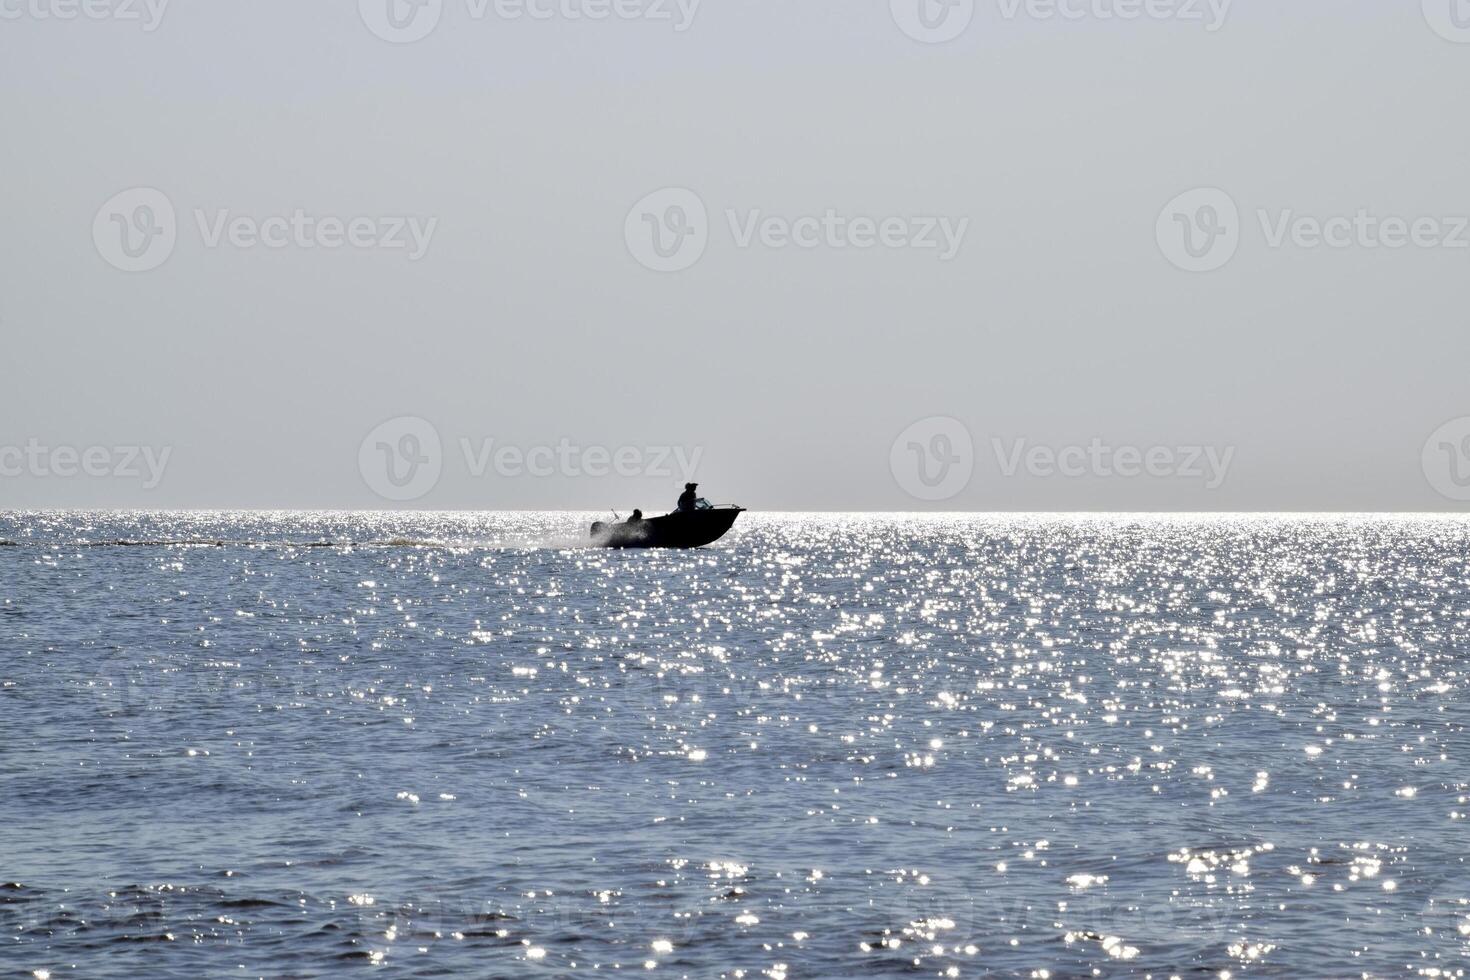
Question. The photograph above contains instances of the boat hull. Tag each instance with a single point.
(691, 529)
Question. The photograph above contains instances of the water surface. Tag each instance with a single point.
(295, 745)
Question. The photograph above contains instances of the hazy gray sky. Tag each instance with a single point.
(861, 226)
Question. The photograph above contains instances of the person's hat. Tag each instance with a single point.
(690, 486)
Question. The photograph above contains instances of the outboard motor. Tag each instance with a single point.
(597, 527)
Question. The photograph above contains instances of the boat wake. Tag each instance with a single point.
(528, 543)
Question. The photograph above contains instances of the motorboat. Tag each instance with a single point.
(695, 528)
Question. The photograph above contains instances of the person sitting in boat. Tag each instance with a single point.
(688, 498)
(637, 517)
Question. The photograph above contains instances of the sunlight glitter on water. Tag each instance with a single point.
(1011, 745)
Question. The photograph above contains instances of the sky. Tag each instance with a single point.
(888, 255)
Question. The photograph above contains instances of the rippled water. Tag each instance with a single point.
(828, 746)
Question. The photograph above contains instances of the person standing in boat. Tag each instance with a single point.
(688, 498)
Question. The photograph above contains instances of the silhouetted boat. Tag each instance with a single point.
(681, 529)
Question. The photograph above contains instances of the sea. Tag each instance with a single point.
(831, 745)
